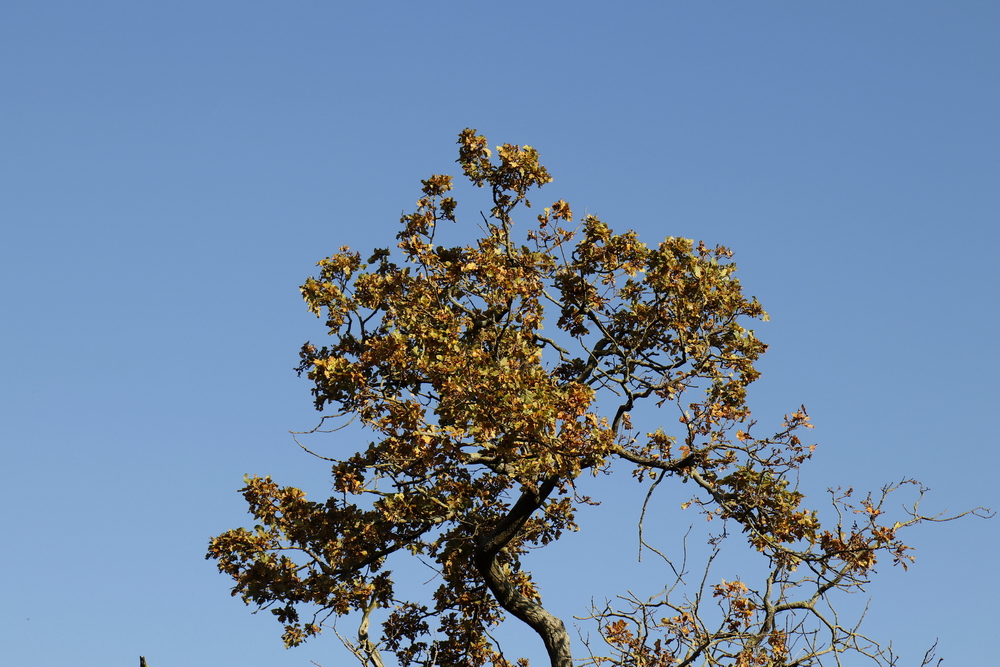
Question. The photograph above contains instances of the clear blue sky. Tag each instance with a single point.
(170, 172)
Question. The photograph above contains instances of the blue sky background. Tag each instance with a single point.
(170, 173)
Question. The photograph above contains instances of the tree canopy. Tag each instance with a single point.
(483, 422)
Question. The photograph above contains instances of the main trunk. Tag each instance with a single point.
(550, 628)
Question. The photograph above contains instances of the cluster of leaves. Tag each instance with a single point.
(483, 423)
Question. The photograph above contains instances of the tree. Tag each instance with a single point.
(484, 423)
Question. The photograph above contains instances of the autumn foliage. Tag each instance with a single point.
(482, 423)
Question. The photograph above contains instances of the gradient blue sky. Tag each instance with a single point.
(170, 172)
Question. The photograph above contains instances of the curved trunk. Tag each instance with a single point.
(550, 628)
